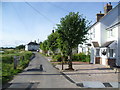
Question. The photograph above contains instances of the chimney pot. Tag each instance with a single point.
(107, 8)
(52, 31)
(110, 3)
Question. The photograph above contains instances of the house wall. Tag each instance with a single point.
(114, 32)
(99, 33)
(96, 33)
(107, 21)
(32, 47)
(26, 47)
(118, 50)
(82, 49)
(118, 58)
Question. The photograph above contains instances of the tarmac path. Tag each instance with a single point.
(34, 77)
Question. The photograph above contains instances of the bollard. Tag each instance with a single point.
(41, 68)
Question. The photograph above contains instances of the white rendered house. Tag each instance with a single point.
(105, 37)
(32, 46)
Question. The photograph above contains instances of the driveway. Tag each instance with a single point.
(92, 75)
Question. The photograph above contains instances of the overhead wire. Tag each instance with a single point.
(59, 7)
(20, 19)
(40, 13)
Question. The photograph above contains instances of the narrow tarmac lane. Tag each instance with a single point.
(33, 77)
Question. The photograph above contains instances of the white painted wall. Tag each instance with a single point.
(31, 47)
(96, 33)
(118, 46)
(79, 48)
(107, 21)
(26, 47)
(118, 58)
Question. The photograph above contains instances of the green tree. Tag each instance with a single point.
(20, 47)
(72, 30)
(52, 42)
(44, 46)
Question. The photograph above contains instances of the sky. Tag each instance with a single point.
(23, 22)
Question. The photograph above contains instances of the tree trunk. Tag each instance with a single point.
(70, 61)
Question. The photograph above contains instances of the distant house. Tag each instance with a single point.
(32, 46)
(104, 38)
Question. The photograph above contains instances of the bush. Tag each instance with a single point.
(76, 57)
(81, 57)
(57, 58)
(8, 70)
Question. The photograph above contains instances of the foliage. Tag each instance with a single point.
(52, 42)
(20, 47)
(81, 57)
(62, 45)
(72, 30)
(44, 46)
(58, 58)
(8, 70)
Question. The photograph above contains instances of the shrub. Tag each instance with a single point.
(8, 70)
(57, 57)
(81, 57)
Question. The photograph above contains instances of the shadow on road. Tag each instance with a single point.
(96, 69)
(70, 73)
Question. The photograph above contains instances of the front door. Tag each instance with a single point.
(92, 56)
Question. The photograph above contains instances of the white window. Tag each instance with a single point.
(94, 33)
(111, 33)
(111, 52)
(97, 52)
(84, 49)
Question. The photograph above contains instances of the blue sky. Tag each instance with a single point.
(21, 23)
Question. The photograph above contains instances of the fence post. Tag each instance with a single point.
(22, 58)
(15, 62)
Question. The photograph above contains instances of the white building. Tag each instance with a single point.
(32, 46)
(105, 37)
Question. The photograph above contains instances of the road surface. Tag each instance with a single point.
(33, 77)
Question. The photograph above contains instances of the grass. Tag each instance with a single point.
(8, 71)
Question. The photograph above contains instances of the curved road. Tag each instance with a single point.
(33, 77)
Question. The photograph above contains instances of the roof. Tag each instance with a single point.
(104, 16)
(32, 43)
(95, 44)
(107, 44)
(88, 44)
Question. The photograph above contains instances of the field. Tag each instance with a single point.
(8, 66)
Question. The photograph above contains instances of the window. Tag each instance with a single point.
(94, 33)
(84, 49)
(97, 52)
(111, 51)
(111, 33)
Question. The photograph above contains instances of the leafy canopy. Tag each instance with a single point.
(72, 29)
(52, 41)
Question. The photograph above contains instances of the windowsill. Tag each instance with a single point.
(111, 58)
(97, 56)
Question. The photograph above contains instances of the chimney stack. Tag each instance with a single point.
(107, 8)
(99, 16)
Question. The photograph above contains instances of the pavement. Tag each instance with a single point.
(35, 76)
(92, 76)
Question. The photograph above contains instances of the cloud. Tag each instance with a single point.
(11, 43)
